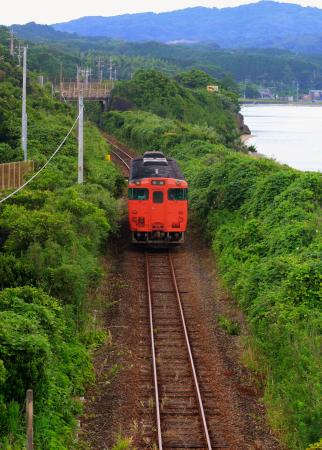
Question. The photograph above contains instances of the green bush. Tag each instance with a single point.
(39, 350)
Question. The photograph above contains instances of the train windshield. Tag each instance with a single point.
(138, 194)
(178, 194)
(157, 197)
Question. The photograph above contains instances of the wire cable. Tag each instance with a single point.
(45, 165)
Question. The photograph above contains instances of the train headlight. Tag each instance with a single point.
(158, 182)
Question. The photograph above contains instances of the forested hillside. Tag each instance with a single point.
(263, 25)
(154, 92)
(263, 221)
(51, 235)
(278, 69)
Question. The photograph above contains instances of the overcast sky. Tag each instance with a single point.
(17, 11)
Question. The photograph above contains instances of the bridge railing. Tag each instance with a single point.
(91, 90)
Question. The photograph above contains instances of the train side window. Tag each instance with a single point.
(157, 197)
(178, 194)
(138, 194)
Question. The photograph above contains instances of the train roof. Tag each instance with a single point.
(154, 168)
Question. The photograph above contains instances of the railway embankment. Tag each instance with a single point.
(51, 235)
(263, 221)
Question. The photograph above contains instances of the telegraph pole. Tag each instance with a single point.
(297, 91)
(111, 70)
(24, 106)
(245, 87)
(81, 135)
(100, 66)
(12, 43)
(61, 73)
(19, 54)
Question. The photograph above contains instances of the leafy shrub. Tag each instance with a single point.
(229, 325)
(39, 351)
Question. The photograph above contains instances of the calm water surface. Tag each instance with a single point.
(289, 134)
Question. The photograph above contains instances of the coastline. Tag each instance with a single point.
(245, 137)
(275, 103)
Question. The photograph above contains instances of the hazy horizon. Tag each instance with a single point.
(59, 11)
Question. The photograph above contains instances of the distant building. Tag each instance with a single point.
(315, 94)
(266, 93)
(212, 88)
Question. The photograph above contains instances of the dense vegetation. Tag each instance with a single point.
(264, 222)
(277, 69)
(51, 235)
(154, 92)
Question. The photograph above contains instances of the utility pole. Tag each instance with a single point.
(24, 106)
(100, 66)
(245, 86)
(111, 70)
(81, 135)
(90, 74)
(12, 43)
(115, 73)
(19, 54)
(61, 73)
(297, 91)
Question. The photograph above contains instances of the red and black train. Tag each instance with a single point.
(158, 200)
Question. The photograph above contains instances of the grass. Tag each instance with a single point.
(229, 326)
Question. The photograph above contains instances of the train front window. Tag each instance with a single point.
(157, 197)
(138, 194)
(178, 194)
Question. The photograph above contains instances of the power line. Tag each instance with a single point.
(45, 165)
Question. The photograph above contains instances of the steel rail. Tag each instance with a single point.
(118, 148)
(154, 362)
(119, 157)
(194, 373)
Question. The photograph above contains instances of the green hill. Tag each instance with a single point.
(263, 25)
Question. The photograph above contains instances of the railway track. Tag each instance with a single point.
(120, 153)
(183, 418)
(186, 414)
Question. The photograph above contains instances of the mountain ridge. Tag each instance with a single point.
(267, 23)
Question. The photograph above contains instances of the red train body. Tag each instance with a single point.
(158, 203)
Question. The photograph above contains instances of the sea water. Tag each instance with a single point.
(290, 134)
